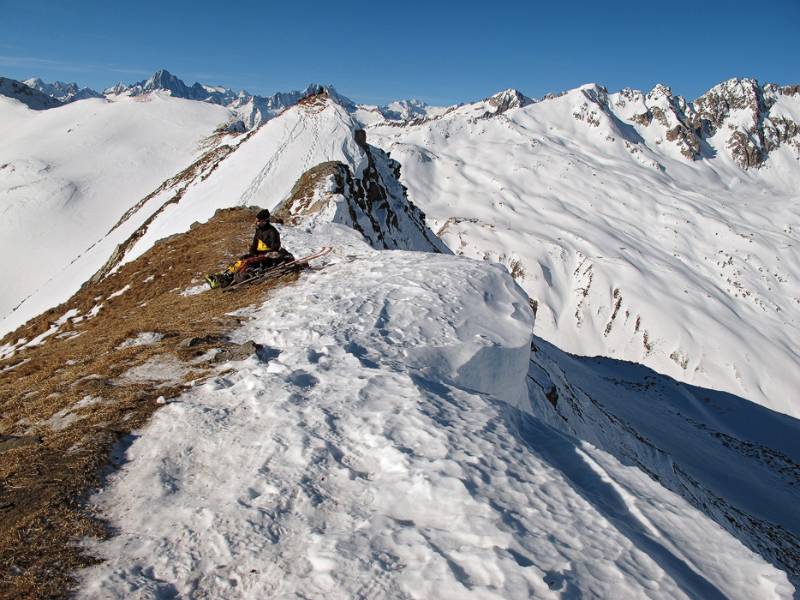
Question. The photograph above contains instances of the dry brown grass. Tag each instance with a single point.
(46, 474)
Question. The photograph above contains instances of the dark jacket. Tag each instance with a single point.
(266, 239)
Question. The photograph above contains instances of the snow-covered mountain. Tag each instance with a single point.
(403, 430)
(70, 173)
(645, 227)
(24, 94)
(634, 220)
(169, 164)
(252, 110)
(65, 92)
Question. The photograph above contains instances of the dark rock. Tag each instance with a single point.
(202, 341)
(552, 395)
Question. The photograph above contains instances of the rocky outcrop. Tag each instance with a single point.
(374, 203)
(64, 92)
(676, 116)
(508, 99)
(742, 98)
(743, 118)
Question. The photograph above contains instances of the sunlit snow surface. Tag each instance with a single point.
(631, 250)
(377, 450)
(68, 174)
(125, 151)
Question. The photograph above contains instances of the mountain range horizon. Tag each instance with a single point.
(165, 79)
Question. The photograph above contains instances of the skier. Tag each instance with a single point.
(265, 252)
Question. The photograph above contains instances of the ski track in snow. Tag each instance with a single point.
(378, 450)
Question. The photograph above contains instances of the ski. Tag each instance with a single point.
(280, 269)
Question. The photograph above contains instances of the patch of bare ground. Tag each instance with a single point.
(65, 403)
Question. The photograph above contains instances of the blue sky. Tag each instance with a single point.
(440, 52)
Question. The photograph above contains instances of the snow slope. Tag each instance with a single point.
(67, 174)
(735, 460)
(631, 248)
(66, 194)
(374, 450)
(264, 168)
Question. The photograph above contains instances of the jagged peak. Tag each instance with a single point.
(592, 87)
(318, 88)
(660, 90)
(508, 99)
(60, 90)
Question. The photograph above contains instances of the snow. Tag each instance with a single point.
(264, 169)
(733, 458)
(67, 174)
(700, 256)
(145, 338)
(156, 370)
(119, 292)
(62, 419)
(8, 350)
(386, 442)
(380, 452)
(194, 290)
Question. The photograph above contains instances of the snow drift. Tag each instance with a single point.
(374, 450)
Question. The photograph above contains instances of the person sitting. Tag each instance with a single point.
(265, 252)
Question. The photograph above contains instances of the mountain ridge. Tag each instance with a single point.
(687, 124)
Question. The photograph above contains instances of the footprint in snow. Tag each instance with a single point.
(302, 379)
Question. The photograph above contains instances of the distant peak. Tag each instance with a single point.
(660, 89)
(508, 99)
(163, 79)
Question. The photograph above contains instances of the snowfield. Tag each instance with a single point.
(630, 249)
(67, 175)
(103, 202)
(377, 448)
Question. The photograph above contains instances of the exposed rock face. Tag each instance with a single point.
(744, 99)
(744, 117)
(676, 116)
(374, 203)
(508, 99)
(65, 92)
(29, 96)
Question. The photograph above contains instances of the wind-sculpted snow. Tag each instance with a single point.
(629, 248)
(736, 461)
(374, 451)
